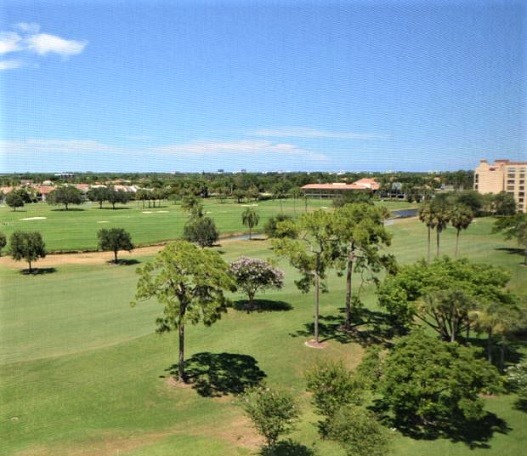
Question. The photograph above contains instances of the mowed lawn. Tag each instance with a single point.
(82, 373)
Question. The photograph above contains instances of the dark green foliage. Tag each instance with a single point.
(359, 432)
(27, 246)
(14, 200)
(513, 227)
(250, 219)
(472, 200)
(117, 196)
(353, 198)
(333, 387)
(3, 242)
(369, 371)
(274, 228)
(427, 382)
(65, 195)
(442, 293)
(114, 239)
(273, 412)
(201, 230)
(504, 204)
(98, 195)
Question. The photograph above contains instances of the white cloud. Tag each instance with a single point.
(302, 132)
(9, 42)
(28, 40)
(43, 44)
(10, 64)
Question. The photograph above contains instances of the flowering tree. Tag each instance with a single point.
(253, 274)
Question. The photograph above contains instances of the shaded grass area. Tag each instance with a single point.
(82, 372)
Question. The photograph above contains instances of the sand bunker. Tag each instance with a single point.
(34, 218)
(103, 221)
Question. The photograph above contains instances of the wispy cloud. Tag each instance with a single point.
(263, 147)
(28, 41)
(302, 132)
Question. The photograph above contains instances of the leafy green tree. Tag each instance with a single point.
(14, 200)
(311, 255)
(513, 227)
(359, 432)
(333, 387)
(250, 219)
(201, 230)
(471, 199)
(189, 283)
(65, 195)
(460, 218)
(114, 239)
(272, 411)
(98, 195)
(427, 382)
(360, 229)
(3, 242)
(442, 294)
(117, 196)
(254, 274)
(517, 378)
(504, 204)
(274, 228)
(193, 206)
(27, 246)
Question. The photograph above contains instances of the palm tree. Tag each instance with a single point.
(250, 219)
(441, 216)
(461, 217)
(426, 216)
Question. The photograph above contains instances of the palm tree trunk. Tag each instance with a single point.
(457, 243)
(429, 242)
(437, 240)
(317, 305)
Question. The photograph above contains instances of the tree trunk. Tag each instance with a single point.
(457, 243)
(437, 238)
(489, 345)
(250, 232)
(30, 270)
(181, 358)
(349, 275)
(429, 242)
(115, 256)
(317, 305)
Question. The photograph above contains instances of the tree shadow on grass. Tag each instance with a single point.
(287, 448)
(368, 327)
(521, 404)
(70, 209)
(261, 305)
(124, 262)
(474, 434)
(219, 374)
(38, 271)
(109, 208)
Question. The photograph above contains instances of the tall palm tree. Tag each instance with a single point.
(441, 216)
(426, 216)
(250, 219)
(461, 217)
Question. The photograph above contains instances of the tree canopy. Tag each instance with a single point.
(66, 195)
(189, 283)
(114, 239)
(27, 246)
(250, 219)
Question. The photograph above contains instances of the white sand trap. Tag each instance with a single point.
(34, 218)
(147, 212)
(103, 221)
(162, 212)
(250, 205)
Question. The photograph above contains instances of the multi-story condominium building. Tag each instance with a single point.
(503, 176)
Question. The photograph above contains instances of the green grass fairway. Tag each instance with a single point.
(83, 374)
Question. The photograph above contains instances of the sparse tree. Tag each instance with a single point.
(513, 227)
(27, 246)
(65, 195)
(272, 411)
(189, 283)
(117, 196)
(254, 274)
(201, 230)
(460, 218)
(250, 219)
(98, 195)
(114, 239)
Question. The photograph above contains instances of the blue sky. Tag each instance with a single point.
(261, 85)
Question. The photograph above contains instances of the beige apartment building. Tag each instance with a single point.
(503, 176)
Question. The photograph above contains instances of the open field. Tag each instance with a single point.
(83, 374)
(76, 229)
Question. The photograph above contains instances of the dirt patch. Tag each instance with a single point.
(314, 344)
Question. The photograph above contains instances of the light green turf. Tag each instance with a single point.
(80, 370)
